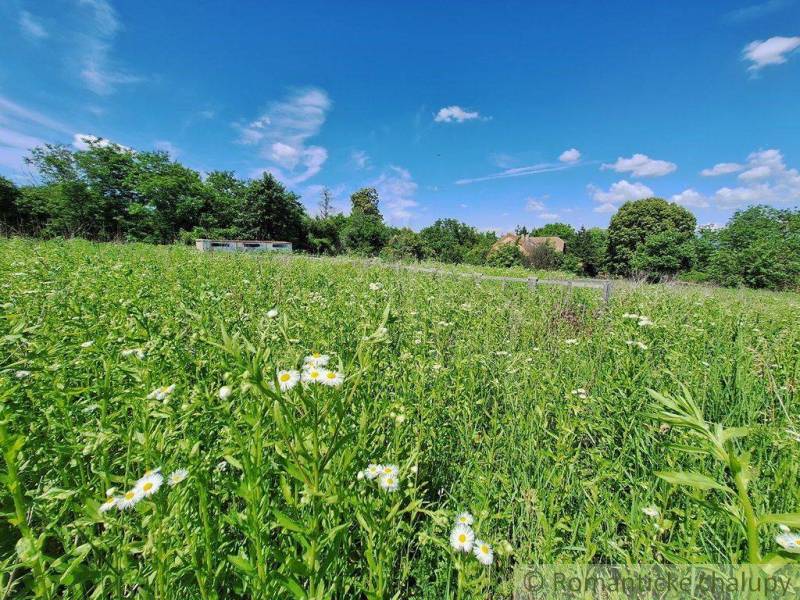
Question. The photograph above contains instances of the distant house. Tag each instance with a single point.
(527, 243)
(242, 246)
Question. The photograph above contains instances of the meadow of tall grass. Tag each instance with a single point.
(185, 425)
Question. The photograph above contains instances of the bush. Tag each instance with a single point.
(404, 244)
(544, 257)
(507, 255)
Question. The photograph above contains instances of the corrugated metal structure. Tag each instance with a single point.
(243, 246)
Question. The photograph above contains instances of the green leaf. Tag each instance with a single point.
(287, 522)
(692, 479)
(733, 433)
(788, 519)
(242, 564)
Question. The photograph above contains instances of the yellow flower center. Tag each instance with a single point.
(285, 377)
(389, 481)
(462, 538)
(314, 374)
(316, 354)
(129, 495)
(485, 549)
(147, 486)
(331, 375)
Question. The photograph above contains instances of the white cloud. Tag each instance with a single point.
(548, 215)
(570, 155)
(283, 130)
(396, 189)
(97, 69)
(449, 114)
(31, 27)
(721, 169)
(766, 180)
(517, 172)
(641, 165)
(691, 198)
(773, 51)
(755, 11)
(12, 111)
(168, 147)
(619, 193)
(84, 141)
(360, 159)
(533, 205)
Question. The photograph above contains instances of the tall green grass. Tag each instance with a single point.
(466, 387)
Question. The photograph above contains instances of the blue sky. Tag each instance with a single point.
(495, 113)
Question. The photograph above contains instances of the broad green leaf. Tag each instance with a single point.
(692, 479)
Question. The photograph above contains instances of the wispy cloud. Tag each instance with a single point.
(641, 165)
(397, 190)
(31, 27)
(774, 51)
(517, 172)
(360, 159)
(97, 68)
(756, 11)
(721, 169)
(456, 114)
(168, 147)
(282, 131)
(619, 193)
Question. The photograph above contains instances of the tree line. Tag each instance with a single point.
(106, 192)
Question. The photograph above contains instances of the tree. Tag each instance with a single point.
(365, 201)
(325, 235)
(635, 221)
(544, 257)
(9, 197)
(448, 240)
(272, 212)
(364, 234)
(225, 193)
(663, 254)
(325, 203)
(760, 247)
(589, 248)
(479, 252)
(403, 244)
(521, 230)
(507, 255)
(563, 230)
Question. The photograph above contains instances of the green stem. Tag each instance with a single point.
(751, 521)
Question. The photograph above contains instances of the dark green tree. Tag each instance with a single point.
(507, 255)
(325, 235)
(589, 249)
(448, 240)
(365, 201)
(563, 230)
(403, 244)
(636, 221)
(273, 213)
(9, 214)
(364, 234)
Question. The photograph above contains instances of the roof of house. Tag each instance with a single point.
(528, 243)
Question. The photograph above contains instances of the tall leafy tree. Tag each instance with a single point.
(635, 221)
(589, 248)
(365, 202)
(448, 240)
(270, 211)
(9, 197)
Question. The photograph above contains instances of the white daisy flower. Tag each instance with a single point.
(110, 492)
(375, 286)
(110, 503)
(224, 392)
(390, 470)
(645, 322)
(461, 538)
(373, 470)
(315, 359)
(630, 316)
(483, 552)
(88, 344)
(129, 498)
(360, 475)
(149, 483)
(138, 352)
(390, 483)
(272, 313)
(652, 511)
(414, 469)
(332, 378)
(465, 518)
(22, 374)
(287, 379)
(789, 542)
(162, 392)
(313, 375)
(177, 476)
(571, 342)
(784, 528)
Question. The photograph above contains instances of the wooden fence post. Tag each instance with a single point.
(532, 281)
(607, 291)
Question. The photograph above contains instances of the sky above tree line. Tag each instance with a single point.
(495, 113)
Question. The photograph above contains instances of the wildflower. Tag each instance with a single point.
(461, 538)
(360, 475)
(795, 435)
(652, 511)
(414, 469)
(580, 393)
(789, 542)
(784, 528)
(110, 503)
(315, 359)
(373, 470)
(88, 344)
(129, 498)
(272, 313)
(138, 352)
(177, 476)
(640, 345)
(224, 392)
(483, 552)
(161, 393)
(630, 316)
(390, 470)
(149, 483)
(332, 379)
(288, 379)
(110, 492)
(389, 482)
(400, 419)
(375, 286)
(313, 375)
(22, 374)
(571, 342)
(465, 518)
(645, 322)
